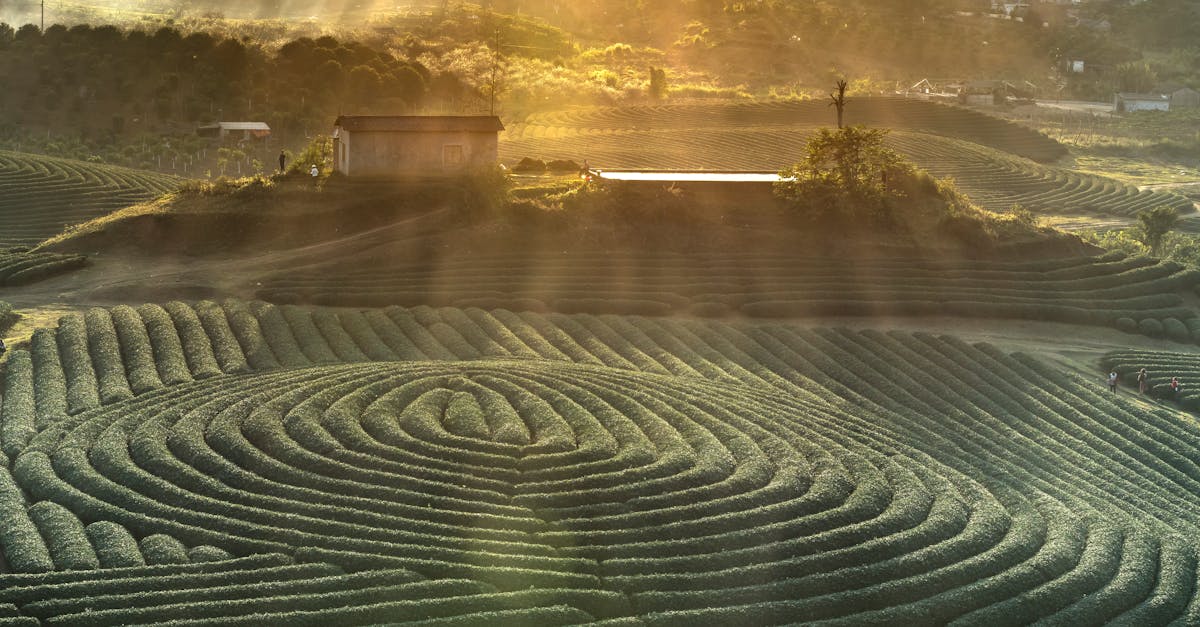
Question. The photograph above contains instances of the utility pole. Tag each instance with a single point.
(495, 68)
(43, 16)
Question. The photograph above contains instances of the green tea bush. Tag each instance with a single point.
(24, 549)
(18, 413)
(105, 350)
(50, 383)
(115, 547)
(1150, 327)
(166, 347)
(65, 537)
(83, 390)
(160, 549)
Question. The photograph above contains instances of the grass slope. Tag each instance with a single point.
(40, 195)
(1108, 291)
(495, 466)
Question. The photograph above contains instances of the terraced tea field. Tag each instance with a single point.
(1130, 293)
(254, 464)
(40, 195)
(20, 267)
(995, 162)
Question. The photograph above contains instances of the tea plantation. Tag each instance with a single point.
(996, 163)
(248, 463)
(41, 195)
(1136, 294)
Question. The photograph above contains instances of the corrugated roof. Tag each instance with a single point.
(417, 123)
(1127, 95)
(240, 126)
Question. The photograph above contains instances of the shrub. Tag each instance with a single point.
(1174, 329)
(1150, 327)
(1128, 325)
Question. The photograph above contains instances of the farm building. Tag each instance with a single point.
(413, 145)
(1125, 102)
(235, 130)
(1185, 98)
(985, 93)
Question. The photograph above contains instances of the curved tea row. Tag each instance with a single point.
(896, 113)
(1082, 290)
(41, 195)
(262, 465)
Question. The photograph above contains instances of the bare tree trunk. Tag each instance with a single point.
(839, 100)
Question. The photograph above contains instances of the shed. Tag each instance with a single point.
(1127, 102)
(238, 130)
(414, 145)
(1185, 98)
(987, 93)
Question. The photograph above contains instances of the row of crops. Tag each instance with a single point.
(894, 113)
(1161, 367)
(994, 179)
(260, 465)
(1136, 294)
(19, 266)
(41, 195)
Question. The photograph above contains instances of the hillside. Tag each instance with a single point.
(40, 196)
(407, 464)
(995, 162)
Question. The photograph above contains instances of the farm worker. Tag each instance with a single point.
(1175, 385)
(3, 347)
(1112, 381)
(314, 171)
(282, 160)
(1141, 379)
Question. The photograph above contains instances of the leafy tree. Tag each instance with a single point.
(1136, 76)
(844, 171)
(1155, 224)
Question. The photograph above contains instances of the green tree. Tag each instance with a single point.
(844, 171)
(1136, 76)
(1155, 224)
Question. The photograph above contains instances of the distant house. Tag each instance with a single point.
(236, 130)
(1185, 98)
(413, 145)
(1126, 102)
(982, 93)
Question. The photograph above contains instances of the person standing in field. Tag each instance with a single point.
(1175, 385)
(1142, 380)
(282, 161)
(1112, 381)
(314, 171)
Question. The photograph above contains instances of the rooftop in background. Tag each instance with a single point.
(239, 126)
(667, 176)
(419, 123)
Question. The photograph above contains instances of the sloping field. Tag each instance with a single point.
(40, 195)
(1080, 290)
(267, 465)
(993, 172)
(1160, 367)
(21, 267)
(894, 113)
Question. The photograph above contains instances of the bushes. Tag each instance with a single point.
(693, 468)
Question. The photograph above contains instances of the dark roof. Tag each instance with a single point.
(418, 123)
(1128, 95)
